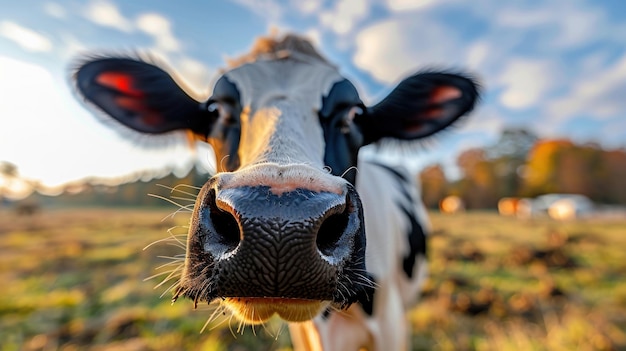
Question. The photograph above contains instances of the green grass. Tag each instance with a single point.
(74, 280)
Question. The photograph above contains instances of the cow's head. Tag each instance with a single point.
(280, 229)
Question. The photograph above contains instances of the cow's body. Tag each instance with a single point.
(281, 228)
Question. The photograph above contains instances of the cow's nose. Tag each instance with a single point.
(278, 244)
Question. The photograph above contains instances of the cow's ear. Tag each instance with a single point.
(419, 106)
(141, 96)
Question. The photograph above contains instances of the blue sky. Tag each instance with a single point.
(557, 67)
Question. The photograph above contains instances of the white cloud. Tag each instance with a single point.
(106, 13)
(195, 74)
(70, 46)
(345, 15)
(409, 5)
(595, 61)
(381, 51)
(306, 7)
(599, 94)
(55, 10)
(160, 29)
(27, 38)
(564, 24)
(389, 49)
(485, 120)
(526, 82)
(269, 9)
(478, 53)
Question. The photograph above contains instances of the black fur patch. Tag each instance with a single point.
(417, 242)
(416, 236)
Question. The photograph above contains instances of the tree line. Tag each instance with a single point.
(142, 192)
(522, 165)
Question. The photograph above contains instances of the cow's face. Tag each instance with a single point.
(278, 230)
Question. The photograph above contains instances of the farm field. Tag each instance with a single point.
(75, 280)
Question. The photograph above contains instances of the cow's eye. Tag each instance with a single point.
(347, 121)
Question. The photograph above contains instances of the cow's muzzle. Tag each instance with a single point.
(263, 251)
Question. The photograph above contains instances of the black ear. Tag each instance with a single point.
(141, 96)
(419, 106)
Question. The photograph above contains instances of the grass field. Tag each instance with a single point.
(74, 280)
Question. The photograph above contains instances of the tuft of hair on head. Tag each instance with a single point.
(273, 47)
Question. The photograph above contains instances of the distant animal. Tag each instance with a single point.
(27, 208)
(508, 206)
(557, 206)
(295, 225)
(451, 204)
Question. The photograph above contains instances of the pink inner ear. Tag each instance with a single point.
(147, 115)
(438, 96)
(120, 82)
(443, 94)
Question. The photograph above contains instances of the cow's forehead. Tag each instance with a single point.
(294, 78)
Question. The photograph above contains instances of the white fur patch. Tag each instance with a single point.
(281, 99)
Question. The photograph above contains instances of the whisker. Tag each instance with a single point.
(170, 242)
(253, 326)
(172, 287)
(183, 198)
(280, 330)
(175, 189)
(172, 237)
(212, 318)
(186, 186)
(173, 273)
(157, 242)
(366, 280)
(176, 236)
(222, 162)
(240, 327)
(178, 245)
(230, 326)
(159, 274)
(265, 327)
(350, 169)
(187, 208)
(174, 262)
(169, 200)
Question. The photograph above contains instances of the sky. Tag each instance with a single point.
(555, 67)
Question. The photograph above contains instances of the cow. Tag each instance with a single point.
(294, 224)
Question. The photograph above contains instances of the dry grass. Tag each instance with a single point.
(73, 279)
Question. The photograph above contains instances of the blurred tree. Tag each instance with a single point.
(434, 185)
(8, 174)
(613, 188)
(514, 143)
(540, 172)
(579, 170)
(508, 156)
(560, 166)
(92, 191)
(478, 187)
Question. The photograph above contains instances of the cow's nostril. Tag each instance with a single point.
(331, 231)
(225, 225)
